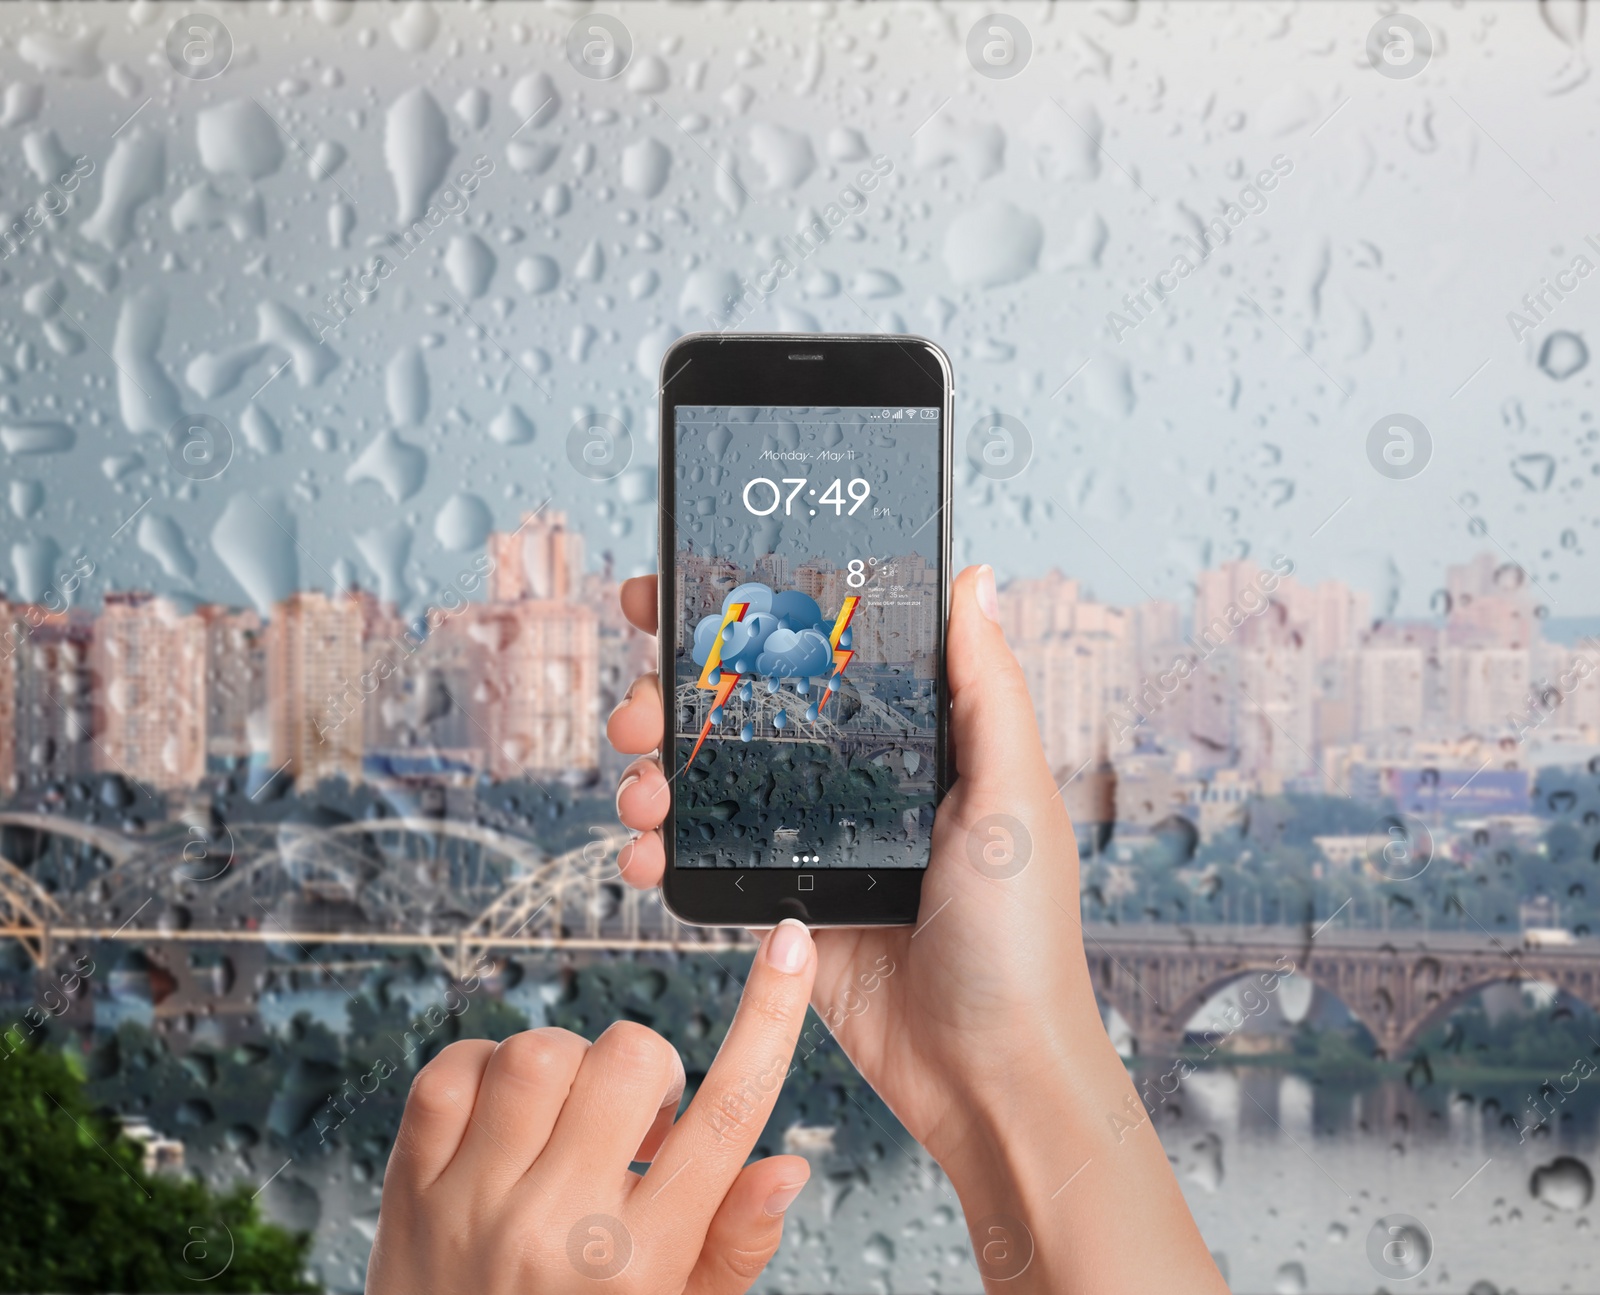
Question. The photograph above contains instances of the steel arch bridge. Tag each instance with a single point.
(454, 887)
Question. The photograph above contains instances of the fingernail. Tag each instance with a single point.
(783, 1198)
(988, 601)
(789, 947)
(623, 786)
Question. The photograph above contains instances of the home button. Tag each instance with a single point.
(792, 908)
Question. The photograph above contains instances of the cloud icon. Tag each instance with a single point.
(742, 641)
(705, 634)
(780, 636)
(793, 654)
(796, 610)
(758, 595)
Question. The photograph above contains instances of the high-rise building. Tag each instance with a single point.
(1491, 606)
(1231, 588)
(1579, 706)
(1273, 715)
(1034, 610)
(149, 659)
(1157, 636)
(1074, 679)
(1339, 615)
(54, 714)
(703, 582)
(1487, 688)
(771, 569)
(542, 644)
(314, 660)
(1078, 658)
(393, 689)
(542, 559)
(545, 720)
(236, 682)
(1389, 690)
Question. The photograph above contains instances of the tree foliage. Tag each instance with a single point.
(78, 1212)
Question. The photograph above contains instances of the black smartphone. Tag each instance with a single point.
(805, 551)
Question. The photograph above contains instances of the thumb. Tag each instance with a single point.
(996, 740)
(747, 1228)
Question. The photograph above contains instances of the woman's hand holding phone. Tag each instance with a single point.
(980, 1028)
(511, 1170)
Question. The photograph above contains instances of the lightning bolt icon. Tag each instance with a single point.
(841, 656)
(728, 681)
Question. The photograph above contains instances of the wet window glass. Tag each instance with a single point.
(328, 378)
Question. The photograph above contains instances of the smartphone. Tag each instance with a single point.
(805, 552)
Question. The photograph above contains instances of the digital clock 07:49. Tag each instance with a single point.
(834, 494)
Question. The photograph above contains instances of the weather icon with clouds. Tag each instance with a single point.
(771, 638)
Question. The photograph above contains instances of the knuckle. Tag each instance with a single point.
(747, 1265)
(773, 1012)
(437, 1091)
(628, 1043)
(539, 1057)
(450, 1081)
(733, 1120)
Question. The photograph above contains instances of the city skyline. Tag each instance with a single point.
(1280, 685)
(330, 685)
(1287, 684)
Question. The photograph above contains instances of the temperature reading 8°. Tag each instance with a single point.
(856, 573)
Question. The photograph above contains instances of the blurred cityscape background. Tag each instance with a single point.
(310, 622)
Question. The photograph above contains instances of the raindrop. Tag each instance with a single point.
(511, 426)
(992, 244)
(470, 265)
(538, 274)
(416, 150)
(405, 384)
(1564, 1184)
(1534, 470)
(238, 138)
(645, 166)
(26, 498)
(1290, 1279)
(1562, 355)
(463, 523)
(785, 154)
(1176, 840)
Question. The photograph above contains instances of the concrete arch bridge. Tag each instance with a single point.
(1397, 984)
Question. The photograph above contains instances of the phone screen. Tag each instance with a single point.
(809, 632)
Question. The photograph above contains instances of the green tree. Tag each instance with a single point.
(78, 1213)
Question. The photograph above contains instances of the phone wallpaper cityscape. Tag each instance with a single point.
(808, 636)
